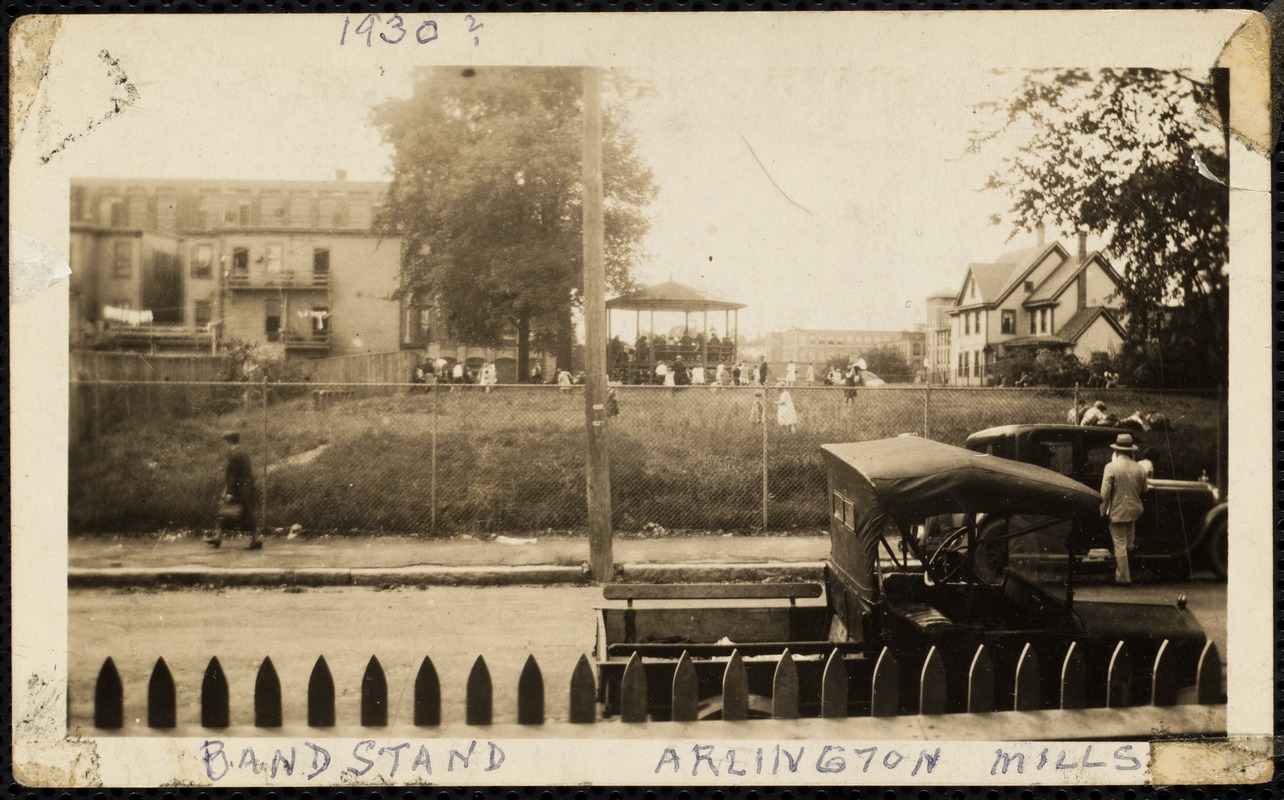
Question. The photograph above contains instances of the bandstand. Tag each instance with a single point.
(635, 362)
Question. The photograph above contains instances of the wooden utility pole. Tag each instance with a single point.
(601, 562)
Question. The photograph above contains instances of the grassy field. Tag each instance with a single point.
(513, 460)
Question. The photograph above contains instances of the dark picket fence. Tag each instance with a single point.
(735, 700)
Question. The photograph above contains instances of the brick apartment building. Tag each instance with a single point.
(172, 265)
(816, 346)
(939, 305)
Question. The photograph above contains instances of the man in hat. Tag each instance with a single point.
(1123, 482)
(240, 493)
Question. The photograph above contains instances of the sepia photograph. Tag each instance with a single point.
(481, 400)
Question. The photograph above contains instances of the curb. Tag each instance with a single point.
(535, 575)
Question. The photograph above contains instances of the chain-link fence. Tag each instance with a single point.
(441, 460)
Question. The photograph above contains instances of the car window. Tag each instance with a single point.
(1055, 455)
(1097, 457)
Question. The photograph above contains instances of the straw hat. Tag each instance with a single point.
(1124, 442)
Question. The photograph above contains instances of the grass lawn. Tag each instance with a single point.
(513, 460)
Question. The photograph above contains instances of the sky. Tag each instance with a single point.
(820, 197)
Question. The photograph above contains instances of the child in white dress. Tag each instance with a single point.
(786, 414)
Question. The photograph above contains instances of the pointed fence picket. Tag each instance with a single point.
(583, 703)
(633, 691)
(833, 687)
(374, 695)
(1025, 686)
(162, 700)
(787, 701)
(686, 690)
(884, 693)
(479, 697)
(735, 689)
(1208, 680)
(1164, 678)
(109, 706)
(320, 695)
(1073, 683)
(267, 696)
(931, 684)
(1119, 678)
(784, 688)
(214, 703)
(530, 694)
(980, 683)
(427, 695)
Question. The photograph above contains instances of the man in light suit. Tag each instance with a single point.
(1123, 482)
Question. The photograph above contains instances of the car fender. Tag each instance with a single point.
(1214, 516)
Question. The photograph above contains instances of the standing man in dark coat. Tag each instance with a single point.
(762, 372)
(240, 494)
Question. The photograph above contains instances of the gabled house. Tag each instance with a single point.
(1042, 297)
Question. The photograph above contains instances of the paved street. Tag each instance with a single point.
(172, 550)
(347, 625)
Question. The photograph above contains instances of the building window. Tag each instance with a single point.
(273, 258)
(1009, 322)
(77, 203)
(300, 209)
(210, 209)
(272, 320)
(1029, 286)
(202, 313)
(240, 259)
(321, 262)
(338, 216)
(1043, 320)
(242, 213)
(360, 212)
(1032, 316)
(419, 324)
(122, 256)
(320, 322)
(976, 364)
(167, 210)
(202, 261)
(967, 324)
(272, 209)
(1052, 325)
(117, 215)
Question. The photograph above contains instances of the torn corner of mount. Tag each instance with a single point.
(34, 265)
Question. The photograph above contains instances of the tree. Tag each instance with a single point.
(486, 197)
(888, 363)
(1120, 153)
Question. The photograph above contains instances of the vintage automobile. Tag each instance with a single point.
(882, 588)
(1182, 530)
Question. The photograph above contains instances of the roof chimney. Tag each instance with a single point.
(340, 174)
(1083, 246)
(1041, 231)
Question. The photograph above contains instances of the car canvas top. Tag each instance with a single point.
(913, 478)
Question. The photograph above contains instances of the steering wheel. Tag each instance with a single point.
(948, 560)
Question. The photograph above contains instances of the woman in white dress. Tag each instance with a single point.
(786, 414)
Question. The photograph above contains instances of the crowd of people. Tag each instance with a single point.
(431, 372)
(1098, 415)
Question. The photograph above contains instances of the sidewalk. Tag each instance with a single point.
(185, 560)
